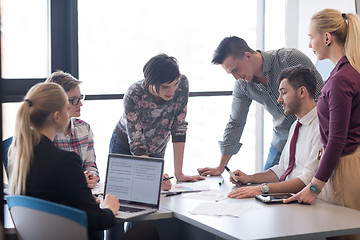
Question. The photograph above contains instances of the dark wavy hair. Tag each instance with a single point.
(160, 69)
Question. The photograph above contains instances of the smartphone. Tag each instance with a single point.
(273, 197)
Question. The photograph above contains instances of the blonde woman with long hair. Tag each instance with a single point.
(335, 35)
(39, 169)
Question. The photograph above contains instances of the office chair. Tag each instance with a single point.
(37, 219)
(6, 146)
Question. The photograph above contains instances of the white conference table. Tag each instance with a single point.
(275, 221)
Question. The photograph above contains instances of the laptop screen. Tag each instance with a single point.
(134, 179)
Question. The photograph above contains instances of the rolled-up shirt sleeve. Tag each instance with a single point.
(235, 127)
(280, 168)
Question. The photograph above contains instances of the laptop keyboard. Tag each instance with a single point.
(130, 209)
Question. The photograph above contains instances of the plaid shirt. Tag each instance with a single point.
(79, 140)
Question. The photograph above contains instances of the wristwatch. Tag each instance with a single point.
(264, 188)
(314, 188)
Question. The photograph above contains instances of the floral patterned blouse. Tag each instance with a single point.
(147, 122)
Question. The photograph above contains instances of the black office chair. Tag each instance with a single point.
(6, 144)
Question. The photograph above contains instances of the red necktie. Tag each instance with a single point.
(292, 152)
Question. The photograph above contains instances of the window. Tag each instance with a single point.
(24, 36)
(274, 39)
(116, 39)
(24, 43)
(274, 24)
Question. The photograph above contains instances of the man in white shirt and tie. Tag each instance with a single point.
(300, 157)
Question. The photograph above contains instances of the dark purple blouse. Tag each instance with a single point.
(339, 116)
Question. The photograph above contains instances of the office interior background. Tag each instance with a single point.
(106, 43)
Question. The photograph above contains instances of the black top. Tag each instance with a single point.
(57, 176)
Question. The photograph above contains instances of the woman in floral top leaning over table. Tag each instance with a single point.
(77, 136)
(154, 109)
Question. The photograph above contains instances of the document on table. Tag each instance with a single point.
(211, 195)
(188, 187)
(221, 209)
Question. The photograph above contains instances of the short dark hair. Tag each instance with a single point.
(298, 76)
(230, 46)
(160, 69)
(66, 80)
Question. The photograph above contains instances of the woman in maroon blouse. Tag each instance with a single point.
(334, 35)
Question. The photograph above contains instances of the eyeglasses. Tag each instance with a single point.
(75, 101)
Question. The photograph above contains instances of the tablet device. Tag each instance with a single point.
(273, 197)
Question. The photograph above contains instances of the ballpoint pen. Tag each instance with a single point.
(231, 174)
(172, 194)
(168, 178)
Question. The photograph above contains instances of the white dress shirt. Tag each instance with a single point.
(308, 146)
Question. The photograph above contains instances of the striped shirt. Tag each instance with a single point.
(81, 141)
(245, 92)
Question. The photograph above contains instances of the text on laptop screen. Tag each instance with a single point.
(134, 180)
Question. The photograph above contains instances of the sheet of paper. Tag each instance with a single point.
(188, 187)
(221, 209)
(211, 195)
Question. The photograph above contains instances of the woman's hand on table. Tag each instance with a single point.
(186, 178)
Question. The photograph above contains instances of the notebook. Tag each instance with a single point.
(136, 182)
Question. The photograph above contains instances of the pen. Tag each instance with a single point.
(172, 194)
(231, 174)
(168, 178)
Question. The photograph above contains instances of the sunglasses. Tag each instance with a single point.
(75, 101)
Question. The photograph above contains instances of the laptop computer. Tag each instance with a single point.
(136, 182)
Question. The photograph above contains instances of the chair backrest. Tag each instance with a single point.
(37, 219)
(6, 145)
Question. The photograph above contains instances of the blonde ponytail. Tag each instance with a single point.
(41, 100)
(21, 149)
(345, 28)
(352, 47)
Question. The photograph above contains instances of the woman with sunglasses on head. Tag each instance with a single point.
(154, 109)
(35, 164)
(335, 36)
(77, 136)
